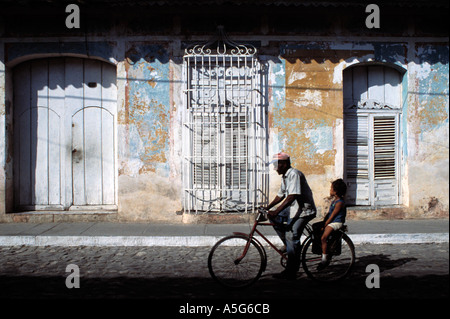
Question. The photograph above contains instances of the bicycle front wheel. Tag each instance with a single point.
(339, 265)
(229, 266)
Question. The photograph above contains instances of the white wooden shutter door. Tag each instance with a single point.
(92, 163)
(64, 110)
(93, 139)
(357, 159)
(37, 135)
(372, 98)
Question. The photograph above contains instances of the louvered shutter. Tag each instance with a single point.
(357, 159)
(205, 150)
(236, 152)
(385, 160)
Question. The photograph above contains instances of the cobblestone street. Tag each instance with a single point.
(406, 271)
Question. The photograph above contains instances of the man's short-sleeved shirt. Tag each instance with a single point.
(294, 182)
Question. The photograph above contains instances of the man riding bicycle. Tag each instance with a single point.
(297, 208)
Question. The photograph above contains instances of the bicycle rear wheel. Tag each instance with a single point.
(226, 268)
(339, 266)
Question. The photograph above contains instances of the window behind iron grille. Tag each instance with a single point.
(224, 136)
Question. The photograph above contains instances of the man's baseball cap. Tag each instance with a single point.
(279, 157)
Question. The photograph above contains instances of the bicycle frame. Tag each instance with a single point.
(251, 237)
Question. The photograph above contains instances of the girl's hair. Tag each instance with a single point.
(339, 187)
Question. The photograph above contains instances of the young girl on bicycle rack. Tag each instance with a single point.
(335, 218)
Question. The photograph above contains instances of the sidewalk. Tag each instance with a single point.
(142, 234)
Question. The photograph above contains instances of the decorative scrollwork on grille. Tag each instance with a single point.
(220, 44)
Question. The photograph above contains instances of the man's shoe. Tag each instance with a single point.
(285, 275)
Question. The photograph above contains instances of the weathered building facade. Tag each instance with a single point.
(167, 111)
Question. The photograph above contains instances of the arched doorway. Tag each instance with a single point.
(372, 110)
(64, 116)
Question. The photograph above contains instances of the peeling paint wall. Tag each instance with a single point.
(305, 113)
(146, 114)
(427, 130)
(145, 136)
(313, 104)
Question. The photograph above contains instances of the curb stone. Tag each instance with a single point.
(197, 241)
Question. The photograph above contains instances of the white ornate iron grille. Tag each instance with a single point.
(224, 144)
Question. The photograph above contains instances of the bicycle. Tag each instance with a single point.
(238, 260)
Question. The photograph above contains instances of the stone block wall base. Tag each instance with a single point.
(226, 218)
(388, 213)
(58, 217)
(353, 213)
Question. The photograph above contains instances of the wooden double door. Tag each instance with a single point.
(64, 119)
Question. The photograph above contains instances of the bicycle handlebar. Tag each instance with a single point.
(262, 210)
(263, 214)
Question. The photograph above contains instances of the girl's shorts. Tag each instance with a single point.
(335, 226)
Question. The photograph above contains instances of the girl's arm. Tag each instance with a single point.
(336, 210)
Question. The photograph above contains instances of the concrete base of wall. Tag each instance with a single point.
(226, 218)
(388, 213)
(353, 213)
(56, 217)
